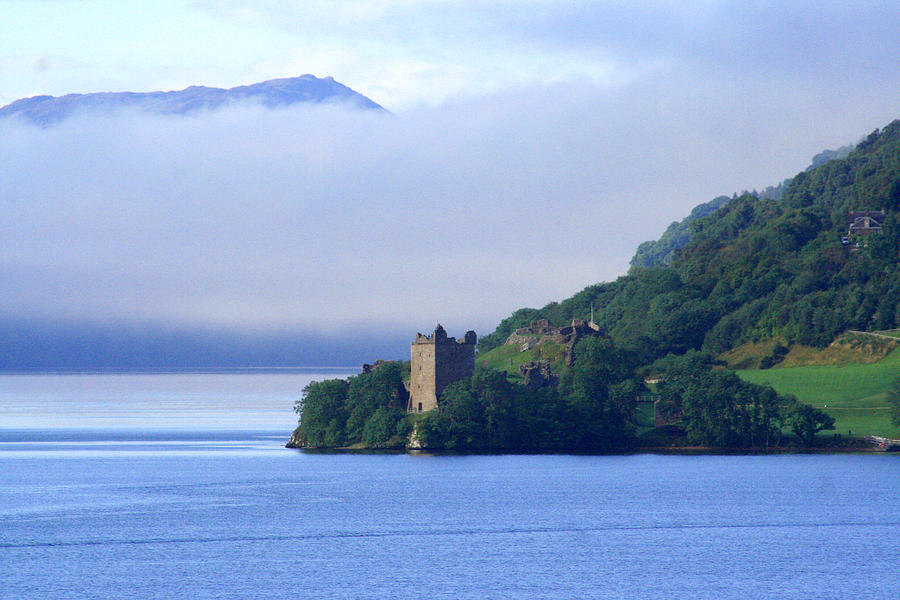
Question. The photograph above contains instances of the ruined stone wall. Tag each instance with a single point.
(436, 361)
(453, 362)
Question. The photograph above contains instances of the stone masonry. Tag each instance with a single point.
(436, 361)
(542, 332)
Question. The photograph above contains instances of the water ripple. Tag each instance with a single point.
(437, 533)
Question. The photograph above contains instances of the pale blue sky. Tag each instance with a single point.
(534, 145)
(400, 52)
(397, 52)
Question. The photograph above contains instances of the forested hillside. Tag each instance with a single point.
(675, 237)
(759, 268)
(678, 234)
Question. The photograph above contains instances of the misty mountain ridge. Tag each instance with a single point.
(275, 93)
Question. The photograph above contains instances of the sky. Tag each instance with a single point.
(529, 148)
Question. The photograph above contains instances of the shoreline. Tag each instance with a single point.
(660, 450)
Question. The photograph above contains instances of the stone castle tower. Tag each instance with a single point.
(436, 361)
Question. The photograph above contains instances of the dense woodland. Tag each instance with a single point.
(369, 409)
(757, 268)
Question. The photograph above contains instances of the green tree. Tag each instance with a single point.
(383, 426)
(476, 413)
(600, 408)
(381, 387)
(323, 413)
(676, 372)
(806, 421)
(717, 408)
(487, 412)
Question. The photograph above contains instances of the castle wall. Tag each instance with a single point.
(422, 392)
(453, 362)
(435, 362)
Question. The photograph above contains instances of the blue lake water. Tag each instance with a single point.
(177, 486)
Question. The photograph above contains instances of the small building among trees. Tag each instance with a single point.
(865, 222)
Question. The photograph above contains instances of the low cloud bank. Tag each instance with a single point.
(327, 220)
(45, 346)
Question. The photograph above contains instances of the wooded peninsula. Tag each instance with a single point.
(767, 320)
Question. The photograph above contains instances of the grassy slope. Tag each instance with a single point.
(851, 347)
(854, 394)
(509, 357)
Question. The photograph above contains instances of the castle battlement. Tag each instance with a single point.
(436, 361)
(440, 337)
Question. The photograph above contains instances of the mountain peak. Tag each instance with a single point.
(49, 110)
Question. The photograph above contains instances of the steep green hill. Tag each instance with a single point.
(759, 268)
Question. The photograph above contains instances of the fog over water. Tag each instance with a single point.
(324, 219)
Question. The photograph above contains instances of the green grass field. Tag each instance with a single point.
(854, 394)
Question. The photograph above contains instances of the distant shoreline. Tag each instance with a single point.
(194, 371)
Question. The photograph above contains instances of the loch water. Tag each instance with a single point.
(178, 486)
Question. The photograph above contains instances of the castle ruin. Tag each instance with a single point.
(542, 332)
(436, 361)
